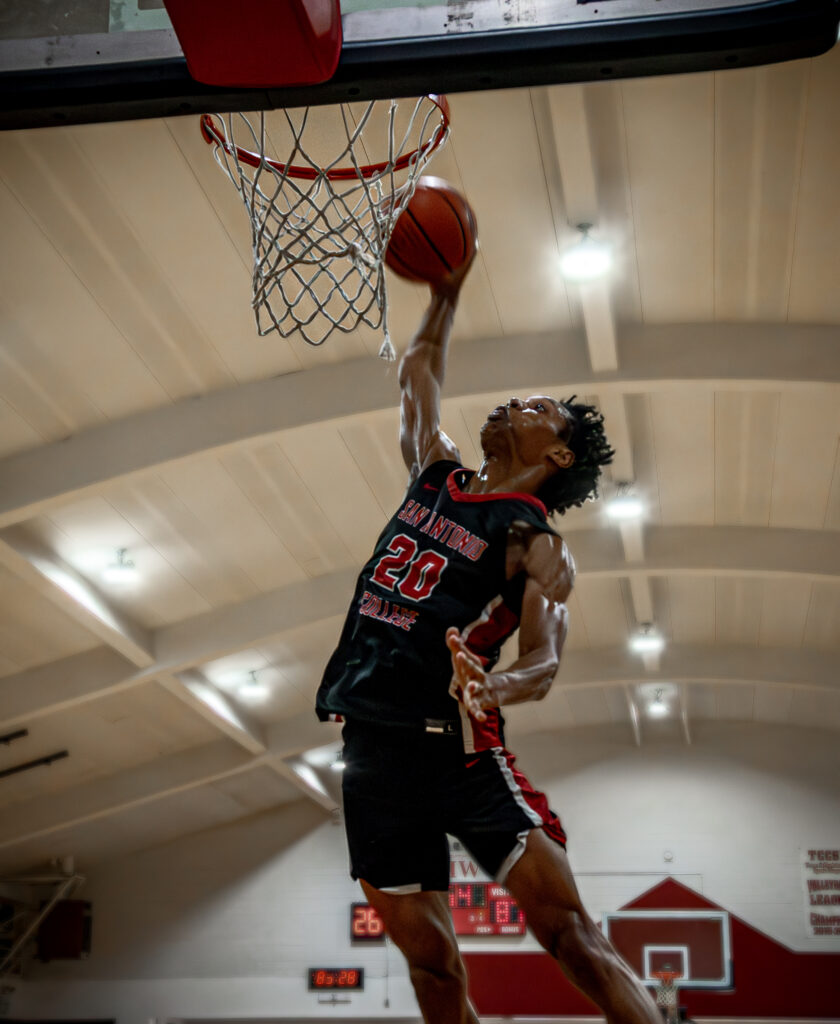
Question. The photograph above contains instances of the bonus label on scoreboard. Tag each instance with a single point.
(484, 908)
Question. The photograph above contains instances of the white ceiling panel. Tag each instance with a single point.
(737, 610)
(772, 703)
(735, 700)
(691, 602)
(758, 159)
(806, 453)
(32, 630)
(671, 176)
(605, 615)
(813, 295)
(683, 435)
(102, 737)
(746, 429)
(822, 629)
(784, 612)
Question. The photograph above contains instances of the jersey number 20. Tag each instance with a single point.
(424, 569)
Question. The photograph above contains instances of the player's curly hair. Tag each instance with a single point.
(571, 487)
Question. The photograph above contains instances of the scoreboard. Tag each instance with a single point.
(477, 908)
(484, 908)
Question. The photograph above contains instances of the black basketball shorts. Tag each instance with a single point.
(405, 790)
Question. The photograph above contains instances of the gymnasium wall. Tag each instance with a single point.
(225, 923)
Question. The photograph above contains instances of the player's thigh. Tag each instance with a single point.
(420, 925)
(542, 883)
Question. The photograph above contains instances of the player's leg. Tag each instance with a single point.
(421, 927)
(542, 883)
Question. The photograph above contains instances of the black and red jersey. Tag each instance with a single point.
(439, 562)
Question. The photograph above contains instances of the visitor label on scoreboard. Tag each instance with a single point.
(821, 877)
(484, 908)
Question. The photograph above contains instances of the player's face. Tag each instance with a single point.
(532, 426)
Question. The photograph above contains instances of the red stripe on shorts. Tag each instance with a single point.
(537, 801)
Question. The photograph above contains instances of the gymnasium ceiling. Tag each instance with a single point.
(247, 477)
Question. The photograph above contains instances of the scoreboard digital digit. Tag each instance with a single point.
(365, 924)
(336, 977)
(484, 908)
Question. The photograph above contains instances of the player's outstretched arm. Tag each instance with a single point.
(422, 371)
(543, 626)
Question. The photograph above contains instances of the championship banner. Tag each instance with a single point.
(821, 878)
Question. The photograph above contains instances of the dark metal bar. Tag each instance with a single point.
(34, 764)
(11, 736)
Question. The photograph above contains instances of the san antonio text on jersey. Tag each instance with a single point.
(439, 562)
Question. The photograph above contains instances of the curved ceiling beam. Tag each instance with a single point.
(711, 551)
(771, 356)
(739, 551)
(702, 663)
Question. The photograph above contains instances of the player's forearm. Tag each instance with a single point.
(427, 350)
(528, 678)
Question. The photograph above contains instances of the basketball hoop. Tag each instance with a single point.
(319, 228)
(667, 999)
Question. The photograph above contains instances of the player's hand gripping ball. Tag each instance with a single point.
(434, 235)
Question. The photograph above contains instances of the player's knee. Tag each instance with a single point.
(444, 979)
(573, 939)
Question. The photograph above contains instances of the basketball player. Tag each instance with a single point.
(467, 558)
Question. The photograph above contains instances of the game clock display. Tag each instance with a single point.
(336, 977)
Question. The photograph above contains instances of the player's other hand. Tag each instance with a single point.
(470, 685)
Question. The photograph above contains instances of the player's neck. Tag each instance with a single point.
(506, 476)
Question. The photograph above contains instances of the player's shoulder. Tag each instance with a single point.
(547, 560)
(435, 473)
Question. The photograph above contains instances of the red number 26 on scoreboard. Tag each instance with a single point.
(365, 924)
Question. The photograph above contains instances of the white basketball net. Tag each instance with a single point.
(319, 231)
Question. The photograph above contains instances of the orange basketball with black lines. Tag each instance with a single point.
(434, 234)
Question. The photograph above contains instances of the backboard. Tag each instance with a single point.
(71, 61)
(694, 943)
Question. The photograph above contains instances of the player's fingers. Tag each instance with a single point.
(453, 639)
(462, 668)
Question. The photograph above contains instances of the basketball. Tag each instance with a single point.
(434, 234)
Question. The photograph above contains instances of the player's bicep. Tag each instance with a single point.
(549, 563)
(543, 623)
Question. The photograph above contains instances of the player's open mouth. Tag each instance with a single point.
(499, 413)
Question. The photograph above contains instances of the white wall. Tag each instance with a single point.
(225, 923)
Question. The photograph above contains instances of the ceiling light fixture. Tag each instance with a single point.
(121, 571)
(624, 504)
(252, 688)
(657, 706)
(587, 258)
(338, 765)
(647, 641)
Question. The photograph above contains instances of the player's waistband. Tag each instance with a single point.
(429, 726)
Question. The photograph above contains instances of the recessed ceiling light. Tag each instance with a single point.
(657, 706)
(338, 764)
(123, 570)
(587, 259)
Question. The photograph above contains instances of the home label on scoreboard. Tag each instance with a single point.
(484, 908)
